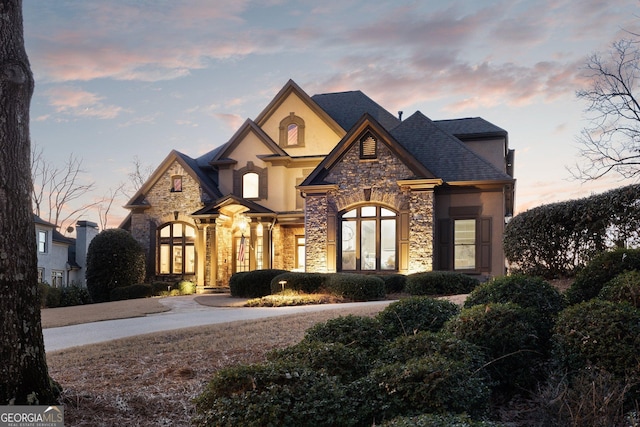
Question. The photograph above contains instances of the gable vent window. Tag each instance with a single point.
(368, 147)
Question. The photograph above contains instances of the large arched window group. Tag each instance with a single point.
(368, 239)
(176, 249)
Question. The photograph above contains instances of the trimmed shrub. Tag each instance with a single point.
(253, 284)
(394, 283)
(432, 384)
(74, 295)
(309, 283)
(114, 259)
(440, 283)
(354, 331)
(139, 290)
(357, 287)
(527, 292)
(273, 395)
(411, 315)
(345, 362)
(405, 348)
(600, 333)
(600, 270)
(624, 287)
(506, 333)
(53, 297)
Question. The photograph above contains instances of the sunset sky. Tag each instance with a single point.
(124, 78)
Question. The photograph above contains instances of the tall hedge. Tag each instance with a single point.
(558, 239)
(114, 259)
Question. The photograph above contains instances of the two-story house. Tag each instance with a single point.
(326, 183)
(62, 260)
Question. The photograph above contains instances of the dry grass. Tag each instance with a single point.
(151, 380)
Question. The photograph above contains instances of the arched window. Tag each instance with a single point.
(250, 185)
(292, 131)
(368, 239)
(176, 249)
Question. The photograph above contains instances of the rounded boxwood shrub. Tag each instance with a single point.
(600, 333)
(602, 268)
(440, 283)
(354, 331)
(309, 283)
(74, 295)
(624, 287)
(345, 362)
(411, 315)
(507, 334)
(405, 348)
(357, 287)
(433, 384)
(253, 284)
(114, 259)
(139, 290)
(528, 292)
(273, 395)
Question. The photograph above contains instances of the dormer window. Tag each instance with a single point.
(176, 183)
(292, 131)
(368, 147)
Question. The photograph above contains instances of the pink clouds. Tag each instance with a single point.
(70, 101)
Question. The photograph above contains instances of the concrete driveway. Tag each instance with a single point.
(183, 313)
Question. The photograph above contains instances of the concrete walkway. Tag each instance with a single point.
(184, 313)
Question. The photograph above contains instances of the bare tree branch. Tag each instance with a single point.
(55, 189)
(610, 144)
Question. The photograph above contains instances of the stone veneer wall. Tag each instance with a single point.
(352, 176)
(162, 204)
(421, 227)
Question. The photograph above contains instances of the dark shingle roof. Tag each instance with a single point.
(470, 127)
(441, 153)
(346, 108)
(206, 175)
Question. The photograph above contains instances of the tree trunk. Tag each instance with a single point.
(24, 376)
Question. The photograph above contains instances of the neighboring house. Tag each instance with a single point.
(326, 183)
(61, 260)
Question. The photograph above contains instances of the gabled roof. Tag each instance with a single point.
(204, 178)
(347, 108)
(366, 122)
(471, 127)
(292, 87)
(442, 153)
(249, 126)
(215, 207)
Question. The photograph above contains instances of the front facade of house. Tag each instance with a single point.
(327, 183)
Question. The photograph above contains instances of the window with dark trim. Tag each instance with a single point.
(464, 242)
(368, 239)
(176, 249)
(292, 131)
